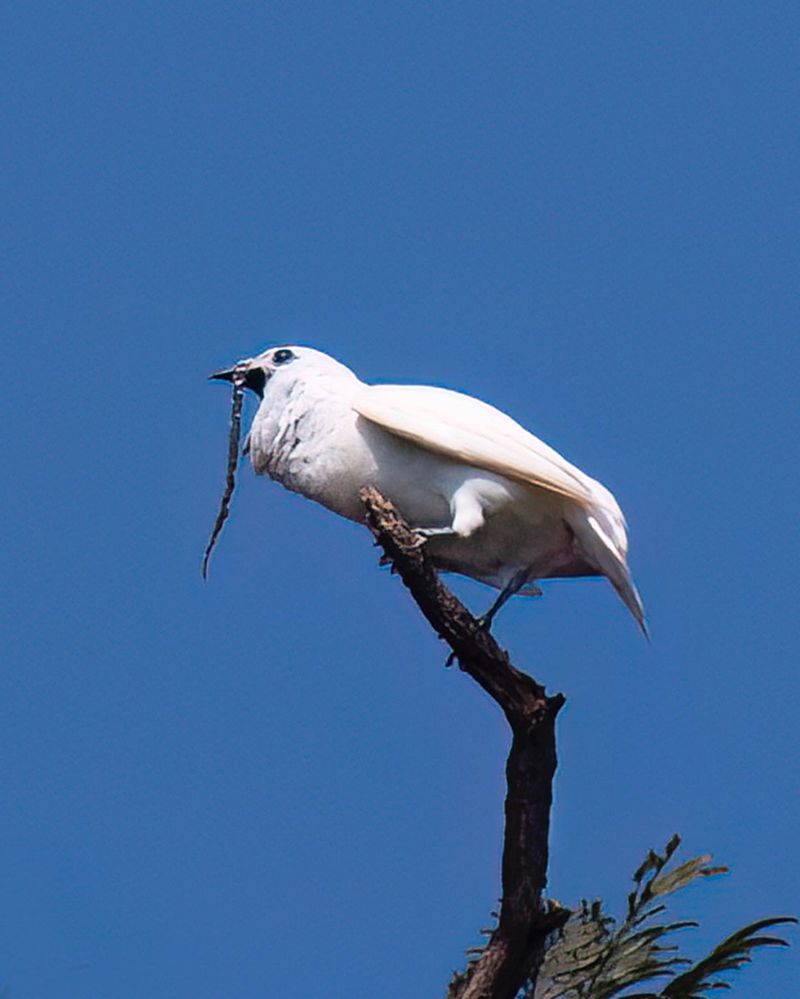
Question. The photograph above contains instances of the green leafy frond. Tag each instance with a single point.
(732, 953)
(576, 953)
(594, 958)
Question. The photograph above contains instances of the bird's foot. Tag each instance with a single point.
(484, 623)
(426, 533)
(485, 620)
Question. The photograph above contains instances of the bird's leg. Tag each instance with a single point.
(434, 532)
(468, 516)
(514, 585)
(517, 584)
(518, 581)
(424, 534)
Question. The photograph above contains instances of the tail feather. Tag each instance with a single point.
(599, 546)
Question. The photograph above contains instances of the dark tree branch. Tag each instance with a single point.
(513, 954)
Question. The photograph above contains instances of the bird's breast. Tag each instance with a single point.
(315, 450)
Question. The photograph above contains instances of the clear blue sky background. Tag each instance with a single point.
(266, 785)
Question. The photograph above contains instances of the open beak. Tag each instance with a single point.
(255, 378)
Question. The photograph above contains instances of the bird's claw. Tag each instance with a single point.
(484, 623)
(420, 537)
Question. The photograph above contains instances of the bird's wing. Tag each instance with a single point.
(470, 431)
(475, 433)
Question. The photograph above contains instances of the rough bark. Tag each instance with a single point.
(512, 956)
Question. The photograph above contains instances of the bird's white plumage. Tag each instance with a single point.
(469, 430)
(495, 502)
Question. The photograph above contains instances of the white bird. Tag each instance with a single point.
(492, 501)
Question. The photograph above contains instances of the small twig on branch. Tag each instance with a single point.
(514, 951)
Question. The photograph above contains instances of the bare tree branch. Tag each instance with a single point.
(513, 953)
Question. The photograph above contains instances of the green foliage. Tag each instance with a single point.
(593, 958)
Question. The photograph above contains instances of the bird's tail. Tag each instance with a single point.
(605, 546)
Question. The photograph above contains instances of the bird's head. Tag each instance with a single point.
(286, 364)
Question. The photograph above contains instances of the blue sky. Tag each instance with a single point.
(266, 784)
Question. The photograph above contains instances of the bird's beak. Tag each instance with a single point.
(255, 377)
(222, 376)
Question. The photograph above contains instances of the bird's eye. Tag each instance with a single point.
(282, 356)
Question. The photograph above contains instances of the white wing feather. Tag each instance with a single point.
(473, 432)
